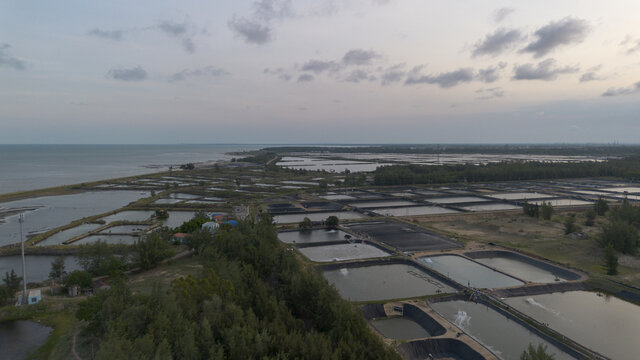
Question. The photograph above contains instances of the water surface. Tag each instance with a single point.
(468, 273)
(38, 266)
(20, 338)
(318, 235)
(342, 252)
(605, 324)
(400, 328)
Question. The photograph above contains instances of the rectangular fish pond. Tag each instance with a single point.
(523, 267)
(469, 273)
(505, 337)
(311, 236)
(342, 252)
(412, 324)
(381, 203)
(383, 281)
(109, 239)
(414, 211)
(319, 216)
(604, 324)
(64, 235)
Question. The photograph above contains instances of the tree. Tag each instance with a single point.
(78, 278)
(621, 235)
(539, 353)
(12, 281)
(590, 217)
(305, 224)
(152, 249)
(600, 206)
(547, 210)
(332, 221)
(532, 210)
(5, 294)
(570, 224)
(610, 260)
(57, 272)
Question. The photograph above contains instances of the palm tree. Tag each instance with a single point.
(539, 353)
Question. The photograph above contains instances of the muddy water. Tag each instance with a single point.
(605, 324)
(381, 282)
(400, 328)
(469, 273)
(20, 338)
(504, 337)
(342, 252)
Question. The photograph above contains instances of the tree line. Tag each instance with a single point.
(252, 300)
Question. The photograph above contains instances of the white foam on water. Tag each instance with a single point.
(344, 271)
(533, 302)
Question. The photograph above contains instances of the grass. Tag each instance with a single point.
(543, 238)
(143, 282)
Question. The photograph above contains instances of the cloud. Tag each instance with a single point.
(279, 72)
(319, 66)
(258, 28)
(251, 31)
(359, 57)
(8, 60)
(305, 78)
(188, 45)
(497, 42)
(500, 14)
(631, 45)
(134, 74)
(107, 34)
(635, 88)
(444, 80)
(393, 74)
(557, 33)
(592, 74)
(490, 93)
(172, 29)
(491, 74)
(208, 71)
(359, 75)
(545, 70)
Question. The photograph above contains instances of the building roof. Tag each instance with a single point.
(34, 293)
(180, 235)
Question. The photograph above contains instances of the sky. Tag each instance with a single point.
(322, 71)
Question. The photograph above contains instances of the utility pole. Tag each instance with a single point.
(24, 265)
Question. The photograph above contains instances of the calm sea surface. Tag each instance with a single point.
(29, 167)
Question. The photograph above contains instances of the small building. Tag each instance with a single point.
(34, 297)
(179, 237)
(233, 223)
(214, 216)
(74, 290)
(210, 226)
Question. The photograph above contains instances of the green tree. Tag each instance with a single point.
(332, 221)
(570, 224)
(547, 210)
(152, 249)
(610, 260)
(12, 280)
(79, 278)
(590, 217)
(57, 272)
(536, 353)
(621, 235)
(532, 210)
(6, 294)
(600, 206)
(305, 224)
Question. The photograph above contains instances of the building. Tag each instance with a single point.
(34, 297)
(179, 237)
(210, 226)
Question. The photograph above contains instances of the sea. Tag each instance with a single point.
(30, 167)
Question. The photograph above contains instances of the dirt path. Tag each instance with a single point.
(73, 345)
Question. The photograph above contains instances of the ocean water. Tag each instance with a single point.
(30, 167)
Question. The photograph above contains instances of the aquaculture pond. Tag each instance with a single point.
(320, 216)
(457, 200)
(531, 270)
(506, 338)
(49, 212)
(604, 324)
(312, 236)
(177, 218)
(382, 203)
(563, 202)
(64, 235)
(342, 252)
(129, 215)
(20, 338)
(490, 207)
(382, 282)
(468, 273)
(109, 239)
(414, 211)
(38, 266)
(400, 328)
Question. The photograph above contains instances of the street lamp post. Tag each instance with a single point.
(24, 265)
